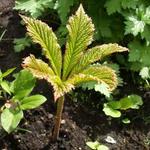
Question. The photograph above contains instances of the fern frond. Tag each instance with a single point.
(43, 35)
(81, 30)
(101, 74)
(96, 53)
(41, 70)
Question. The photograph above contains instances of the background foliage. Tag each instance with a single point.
(128, 20)
(117, 21)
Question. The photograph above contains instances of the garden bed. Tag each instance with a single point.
(80, 124)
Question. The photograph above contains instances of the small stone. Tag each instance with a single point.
(50, 116)
(111, 140)
(63, 121)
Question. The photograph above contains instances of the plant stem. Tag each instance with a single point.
(60, 105)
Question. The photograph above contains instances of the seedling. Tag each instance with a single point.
(76, 66)
(113, 108)
(18, 99)
(96, 146)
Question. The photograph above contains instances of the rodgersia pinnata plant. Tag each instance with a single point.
(76, 66)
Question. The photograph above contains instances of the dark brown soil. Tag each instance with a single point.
(80, 123)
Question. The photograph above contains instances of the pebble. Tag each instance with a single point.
(111, 140)
(50, 116)
(63, 121)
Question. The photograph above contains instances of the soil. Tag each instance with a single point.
(80, 123)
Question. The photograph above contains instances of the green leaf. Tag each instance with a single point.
(80, 29)
(23, 84)
(96, 146)
(111, 112)
(146, 15)
(102, 88)
(100, 19)
(133, 25)
(95, 54)
(93, 145)
(131, 101)
(114, 104)
(135, 51)
(113, 6)
(34, 7)
(126, 121)
(43, 35)
(101, 74)
(32, 102)
(6, 87)
(102, 147)
(139, 53)
(129, 4)
(144, 73)
(21, 44)
(9, 71)
(63, 8)
(10, 119)
(89, 85)
(41, 70)
(145, 34)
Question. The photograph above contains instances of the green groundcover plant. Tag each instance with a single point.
(76, 66)
(16, 99)
(113, 108)
(96, 146)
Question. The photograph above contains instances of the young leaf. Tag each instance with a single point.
(131, 101)
(10, 119)
(41, 70)
(96, 146)
(6, 87)
(112, 108)
(103, 74)
(126, 121)
(100, 74)
(97, 53)
(43, 35)
(23, 84)
(9, 71)
(111, 112)
(32, 102)
(93, 145)
(102, 88)
(89, 85)
(80, 29)
(102, 147)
